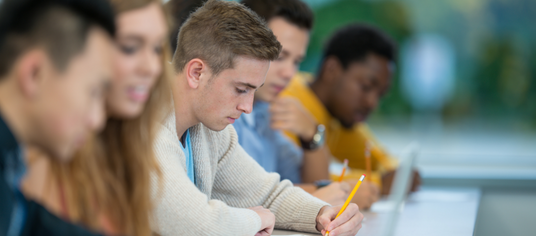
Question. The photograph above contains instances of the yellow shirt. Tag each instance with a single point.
(343, 143)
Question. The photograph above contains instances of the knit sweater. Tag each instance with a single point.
(227, 182)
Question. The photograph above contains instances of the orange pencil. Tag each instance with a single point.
(349, 198)
(367, 158)
(343, 169)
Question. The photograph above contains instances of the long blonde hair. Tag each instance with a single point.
(111, 175)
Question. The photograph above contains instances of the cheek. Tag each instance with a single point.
(347, 96)
(124, 67)
(273, 71)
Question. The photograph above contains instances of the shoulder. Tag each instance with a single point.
(166, 142)
(215, 142)
(298, 84)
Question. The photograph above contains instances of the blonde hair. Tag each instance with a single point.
(219, 31)
(111, 175)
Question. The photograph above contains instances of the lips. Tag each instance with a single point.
(360, 116)
(278, 88)
(139, 93)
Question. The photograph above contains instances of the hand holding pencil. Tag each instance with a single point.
(341, 220)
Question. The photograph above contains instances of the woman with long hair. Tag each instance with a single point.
(107, 186)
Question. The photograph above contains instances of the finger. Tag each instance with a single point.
(281, 125)
(325, 218)
(345, 187)
(256, 208)
(270, 230)
(351, 210)
(279, 110)
(282, 116)
(349, 227)
(264, 233)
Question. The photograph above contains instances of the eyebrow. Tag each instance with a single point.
(249, 85)
(132, 37)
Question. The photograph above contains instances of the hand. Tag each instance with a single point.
(367, 194)
(387, 181)
(267, 219)
(334, 194)
(289, 114)
(348, 223)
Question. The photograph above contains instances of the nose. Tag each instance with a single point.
(246, 106)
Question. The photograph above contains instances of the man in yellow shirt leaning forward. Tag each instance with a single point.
(355, 73)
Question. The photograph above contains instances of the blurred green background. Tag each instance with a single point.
(492, 42)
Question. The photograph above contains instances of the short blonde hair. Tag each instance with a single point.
(220, 31)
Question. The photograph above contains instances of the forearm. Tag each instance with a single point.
(315, 165)
(309, 188)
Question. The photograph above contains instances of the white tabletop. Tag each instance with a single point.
(431, 211)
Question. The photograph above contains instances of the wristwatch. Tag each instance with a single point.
(322, 183)
(317, 141)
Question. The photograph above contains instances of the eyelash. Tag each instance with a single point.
(241, 91)
(128, 50)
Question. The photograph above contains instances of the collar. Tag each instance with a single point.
(8, 142)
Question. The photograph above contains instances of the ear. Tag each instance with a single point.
(332, 69)
(30, 70)
(195, 70)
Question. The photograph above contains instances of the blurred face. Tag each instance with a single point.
(358, 89)
(223, 98)
(294, 41)
(138, 60)
(70, 104)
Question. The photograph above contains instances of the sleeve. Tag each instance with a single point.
(181, 209)
(289, 159)
(243, 183)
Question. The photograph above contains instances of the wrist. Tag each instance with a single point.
(309, 133)
(316, 141)
(319, 226)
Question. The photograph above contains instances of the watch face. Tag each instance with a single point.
(319, 136)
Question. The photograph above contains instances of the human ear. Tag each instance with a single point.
(30, 72)
(194, 71)
(332, 69)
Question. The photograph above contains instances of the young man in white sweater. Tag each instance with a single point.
(209, 184)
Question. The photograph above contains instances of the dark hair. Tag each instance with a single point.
(355, 41)
(179, 10)
(220, 31)
(294, 11)
(60, 26)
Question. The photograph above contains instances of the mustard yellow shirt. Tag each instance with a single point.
(343, 143)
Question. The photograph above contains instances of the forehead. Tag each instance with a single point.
(289, 35)
(95, 59)
(246, 70)
(375, 66)
(148, 21)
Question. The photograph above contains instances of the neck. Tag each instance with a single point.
(320, 90)
(12, 110)
(182, 102)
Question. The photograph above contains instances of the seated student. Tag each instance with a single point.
(355, 73)
(211, 186)
(115, 170)
(54, 67)
(258, 132)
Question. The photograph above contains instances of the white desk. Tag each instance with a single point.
(431, 211)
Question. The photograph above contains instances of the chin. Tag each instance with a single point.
(347, 125)
(128, 112)
(216, 128)
(63, 155)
